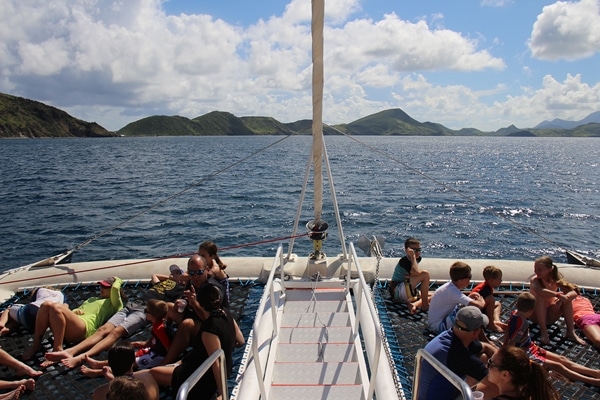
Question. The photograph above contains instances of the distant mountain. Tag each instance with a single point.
(23, 118)
(394, 122)
(562, 124)
(26, 118)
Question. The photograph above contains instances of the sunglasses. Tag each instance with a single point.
(198, 272)
(462, 328)
(416, 250)
(491, 365)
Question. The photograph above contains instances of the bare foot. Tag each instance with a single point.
(90, 372)
(46, 363)
(574, 337)
(72, 362)
(425, 307)
(107, 371)
(544, 339)
(14, 394)
(413, 308)
(4, 331)
(29, 384)
(94, 363)
(27, 370)
(58, 355)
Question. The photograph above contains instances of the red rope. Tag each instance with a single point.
(149, 260)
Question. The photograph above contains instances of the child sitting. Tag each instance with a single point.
(407, 276)
(493, 308)
(518, 335)
(150, 352)
(448, 298)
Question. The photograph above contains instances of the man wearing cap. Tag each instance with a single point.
(459, 349)
(75, 325)
(125, 322)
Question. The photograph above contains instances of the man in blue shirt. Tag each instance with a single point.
(458, 349)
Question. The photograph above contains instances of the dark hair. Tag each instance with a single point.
(211, 249)
(529, 377)
(459, 270)
(210, 297)
(411, 241)
(127, 388)
(121, 357)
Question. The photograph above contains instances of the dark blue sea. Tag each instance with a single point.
(464, 197)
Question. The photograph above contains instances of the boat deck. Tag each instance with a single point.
(407, 333)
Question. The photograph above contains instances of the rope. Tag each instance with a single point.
(471, 200)
(182, 255)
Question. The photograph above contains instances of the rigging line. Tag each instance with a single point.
(447, 187)
(177, 194)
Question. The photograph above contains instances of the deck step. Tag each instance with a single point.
(345, 392)
(332, 334)
(309, 306)
(318, 294)
(292, 319)
(316, 373)
(314, 352)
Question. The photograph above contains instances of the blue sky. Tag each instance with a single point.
(484, 64)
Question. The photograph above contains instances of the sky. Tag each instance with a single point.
(482, 64)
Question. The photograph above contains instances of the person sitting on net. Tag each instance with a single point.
(407, 277)
(554, 299)
(518, 335)
(121, 362)
(448, 298)
(492, 279)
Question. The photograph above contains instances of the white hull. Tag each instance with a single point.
(258, 268)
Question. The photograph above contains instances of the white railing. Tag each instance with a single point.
(255, 327)
(361, 295)
(189, 383)
(450, 376)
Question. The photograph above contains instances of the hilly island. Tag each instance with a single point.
(24, 118)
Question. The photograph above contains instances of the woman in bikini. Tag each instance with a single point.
(552, 303)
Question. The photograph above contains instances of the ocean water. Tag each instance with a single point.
(464, 197)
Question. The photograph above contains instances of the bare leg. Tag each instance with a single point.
(554, 365)
(105, 344)
(42, 323)
(592, 332)
(21, 368)
(91, 372)
(95, 363)
(185, 332)
(82, 346)
(163, 374)
(422, 278)
(14, 394)
(28, 384)
(3, 321)
(540, 317)
(567, 311)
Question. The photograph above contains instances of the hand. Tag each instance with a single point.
(190, 295)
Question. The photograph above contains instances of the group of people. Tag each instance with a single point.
(517, 368)
(185, 308)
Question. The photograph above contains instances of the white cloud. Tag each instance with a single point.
(116, 62)
(567, 30)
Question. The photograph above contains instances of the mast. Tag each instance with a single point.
(317, 227)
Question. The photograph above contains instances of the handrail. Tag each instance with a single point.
(363, 288)
(190, 382)
(450, 376)
(257, 320)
